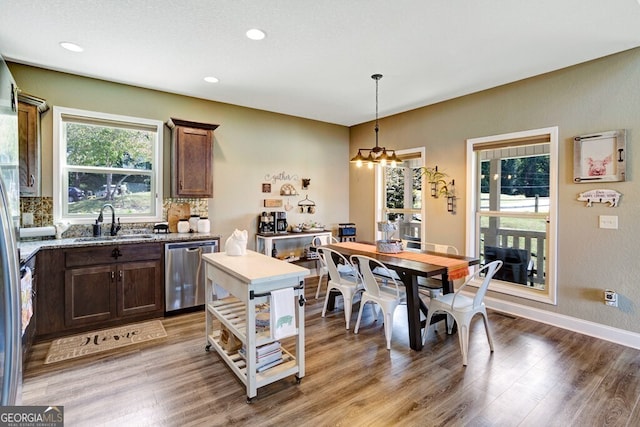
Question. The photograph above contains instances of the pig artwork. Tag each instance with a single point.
(600, 196)
(598, 167)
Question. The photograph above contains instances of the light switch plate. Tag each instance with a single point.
(27, 218)
(609, 221)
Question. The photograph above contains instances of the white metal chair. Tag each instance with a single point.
(463, 308)
(437, 247)
(322, 264)
(433, 285)
(347, 284)
(387, 297)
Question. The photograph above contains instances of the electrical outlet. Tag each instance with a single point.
(27, 218)
(611, 298)
(609, 221)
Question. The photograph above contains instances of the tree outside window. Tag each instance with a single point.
(107, 159)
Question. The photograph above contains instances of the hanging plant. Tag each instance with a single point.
(437, 181)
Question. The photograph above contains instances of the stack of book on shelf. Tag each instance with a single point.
(267, 356)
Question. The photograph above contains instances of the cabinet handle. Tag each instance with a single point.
(113, 276)
(14, 94)
(120, 275)
(181, 184)
(116, 253)
(32, 182)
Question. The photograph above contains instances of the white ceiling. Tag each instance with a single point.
(318, 56)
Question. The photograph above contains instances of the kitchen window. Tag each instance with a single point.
(104, 158)
(512, 205)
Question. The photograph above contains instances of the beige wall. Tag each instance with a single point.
(249, 145)
(596, 96)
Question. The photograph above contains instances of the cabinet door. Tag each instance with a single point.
(89, 295)
(193, 159)
(139, 288)
(28, 149)
(50, 302)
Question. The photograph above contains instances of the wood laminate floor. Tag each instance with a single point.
(538, 375)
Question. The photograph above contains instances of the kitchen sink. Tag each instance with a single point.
(115, 238)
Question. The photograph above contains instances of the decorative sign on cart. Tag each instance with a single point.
(599, 157)
(600, 196)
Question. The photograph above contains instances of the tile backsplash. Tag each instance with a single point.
(42, 210)
(198, 206)
(40, 207)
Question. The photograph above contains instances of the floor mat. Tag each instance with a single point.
(106, 339)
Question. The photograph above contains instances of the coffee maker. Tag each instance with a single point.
(280, 219)
(266, 223)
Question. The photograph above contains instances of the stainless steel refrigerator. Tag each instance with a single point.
(10, 306)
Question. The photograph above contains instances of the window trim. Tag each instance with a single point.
(59, 150)
(549, 295)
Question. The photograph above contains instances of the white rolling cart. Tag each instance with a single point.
(249, 280)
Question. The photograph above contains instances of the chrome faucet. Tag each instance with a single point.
(114, 228)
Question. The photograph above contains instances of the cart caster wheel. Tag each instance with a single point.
(298, 380)
(207, 347)
(249, 400)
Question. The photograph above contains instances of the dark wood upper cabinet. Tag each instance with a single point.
(29, 110)
(191, 158)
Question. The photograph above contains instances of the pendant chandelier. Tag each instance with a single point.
(377, 154)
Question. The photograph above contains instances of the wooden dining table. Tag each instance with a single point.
(410, 265)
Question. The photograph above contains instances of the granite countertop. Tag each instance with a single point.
(29, 247)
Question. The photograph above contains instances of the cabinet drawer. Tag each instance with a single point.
(97, 255)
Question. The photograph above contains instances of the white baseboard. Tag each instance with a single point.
(597, 330)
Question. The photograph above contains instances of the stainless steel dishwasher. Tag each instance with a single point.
(184, 274)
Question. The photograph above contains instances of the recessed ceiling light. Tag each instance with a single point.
(211, 79)
(256, 34)
(71, 46)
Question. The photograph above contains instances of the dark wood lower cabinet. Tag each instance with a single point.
(102, 286)
(137, 288)
(89, 295)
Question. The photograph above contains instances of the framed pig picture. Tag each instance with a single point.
(600, 157)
